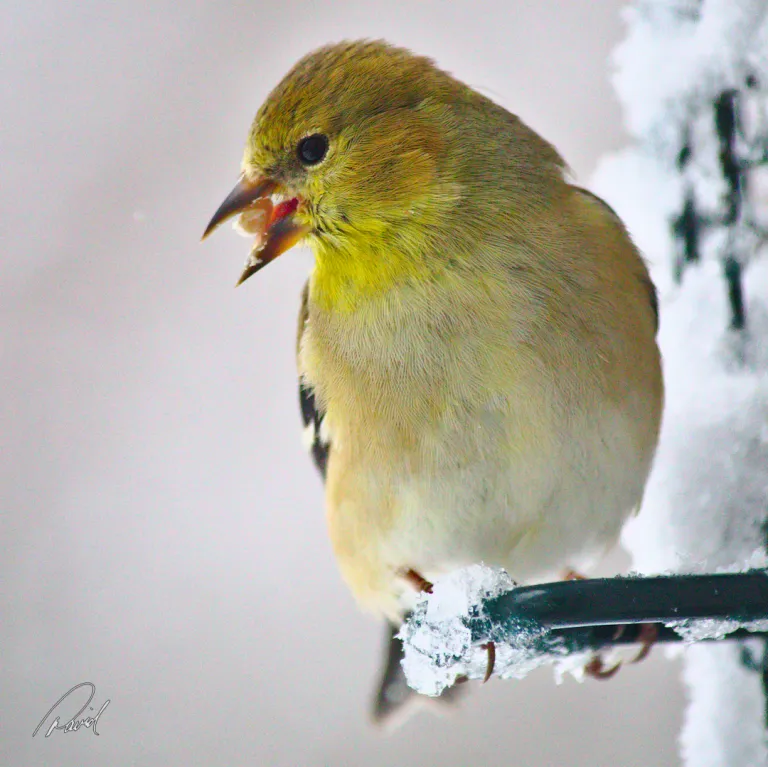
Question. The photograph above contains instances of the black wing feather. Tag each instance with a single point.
(313, 418)
(311, 415)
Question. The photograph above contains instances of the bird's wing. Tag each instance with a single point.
(316, 439)
(653, 298)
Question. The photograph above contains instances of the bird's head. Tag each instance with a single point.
(352, 153)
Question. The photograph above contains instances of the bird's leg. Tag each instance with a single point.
(418, 581)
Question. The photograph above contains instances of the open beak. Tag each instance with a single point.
(273, 225)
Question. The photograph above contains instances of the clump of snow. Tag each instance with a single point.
(439, 641)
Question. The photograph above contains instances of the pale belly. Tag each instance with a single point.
(535, 507)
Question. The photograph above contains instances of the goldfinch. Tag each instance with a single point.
(478, 371)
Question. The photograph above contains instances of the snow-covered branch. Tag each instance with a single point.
(692, 79)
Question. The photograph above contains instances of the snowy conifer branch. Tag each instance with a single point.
(737, 154)
(692, 76)
(550, 623)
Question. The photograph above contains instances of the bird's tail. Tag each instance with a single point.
(395, 701)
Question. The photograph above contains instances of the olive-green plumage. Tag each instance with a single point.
(478, 334)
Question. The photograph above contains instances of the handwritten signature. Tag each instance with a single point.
(74, 724)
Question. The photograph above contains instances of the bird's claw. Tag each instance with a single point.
(647, 637)
(490, 647)
(597, 670)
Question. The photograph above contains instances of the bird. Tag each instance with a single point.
(479, 377)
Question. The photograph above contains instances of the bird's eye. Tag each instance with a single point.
(312, 149)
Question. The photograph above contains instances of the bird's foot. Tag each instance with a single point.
(647, 635)
(596, 667)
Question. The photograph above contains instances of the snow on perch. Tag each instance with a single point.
(440, 643)
(566, 622)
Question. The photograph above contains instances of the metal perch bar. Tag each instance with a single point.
(613, 601)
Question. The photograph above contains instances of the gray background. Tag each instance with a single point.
(162, 529)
